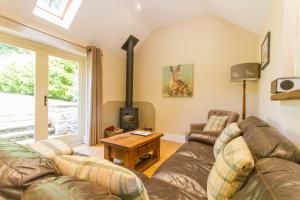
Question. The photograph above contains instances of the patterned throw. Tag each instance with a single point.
(50, 148)
(216, 123)
(229, 133)
(232, 167)
(119, 180)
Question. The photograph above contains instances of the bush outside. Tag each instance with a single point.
(19, 77)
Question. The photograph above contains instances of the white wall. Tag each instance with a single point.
(213, 45)
(284, 115)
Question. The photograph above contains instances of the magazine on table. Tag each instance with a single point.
(141, 132)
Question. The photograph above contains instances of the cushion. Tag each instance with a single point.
(230, 170)
(67, 188)
(230, 132)
(216, 123)
(119, 180)
(20, 166)
(51, 147)
(272, 179)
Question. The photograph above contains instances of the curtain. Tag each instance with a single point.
(94, 71)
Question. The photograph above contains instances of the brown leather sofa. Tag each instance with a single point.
(276, 175)
(26, 175)
(196, 132)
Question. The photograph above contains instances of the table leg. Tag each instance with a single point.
(107, 153)
(156, 152)
(129, 159)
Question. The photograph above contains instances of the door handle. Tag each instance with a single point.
(45, 100)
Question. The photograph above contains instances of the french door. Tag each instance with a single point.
(42, 92)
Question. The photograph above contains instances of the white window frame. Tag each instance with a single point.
(64, 21)
(42, 53)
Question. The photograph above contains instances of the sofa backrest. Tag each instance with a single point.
(272, 179)
(265, 141)
(232, 116)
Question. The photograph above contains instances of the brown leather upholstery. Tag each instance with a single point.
(67, 188)
(184, 175)
(267, 142)
(272, 179)
(161, 190)
(195, 128)
(20, 167)
(207, 137)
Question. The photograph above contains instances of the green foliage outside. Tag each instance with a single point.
(19, 78)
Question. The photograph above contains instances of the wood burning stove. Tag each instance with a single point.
(129, 115)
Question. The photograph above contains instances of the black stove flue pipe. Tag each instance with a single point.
(128, 46)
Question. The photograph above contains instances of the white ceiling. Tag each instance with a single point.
(108, 23)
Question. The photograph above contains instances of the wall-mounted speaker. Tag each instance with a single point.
(285, 84)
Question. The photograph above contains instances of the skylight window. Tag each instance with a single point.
(60, 12)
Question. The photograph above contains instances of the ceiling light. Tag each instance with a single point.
(138, 6)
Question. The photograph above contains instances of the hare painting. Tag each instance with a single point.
(180, 81)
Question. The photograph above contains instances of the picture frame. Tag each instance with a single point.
(178, 80)
(265, 51)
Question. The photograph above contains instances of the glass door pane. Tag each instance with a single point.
(63, 90)
(17, 85)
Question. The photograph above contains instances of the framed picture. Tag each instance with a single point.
(178, 81)
(265, 51)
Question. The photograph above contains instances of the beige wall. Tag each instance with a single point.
(114, 74)
(213, 45)
(284, 115)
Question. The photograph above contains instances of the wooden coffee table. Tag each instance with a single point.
(130, 148)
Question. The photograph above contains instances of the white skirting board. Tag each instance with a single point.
(174, 138)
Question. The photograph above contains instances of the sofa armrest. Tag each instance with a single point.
(207, 137)
(197, 126)
(194, 127)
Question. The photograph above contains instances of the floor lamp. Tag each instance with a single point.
(243, 73)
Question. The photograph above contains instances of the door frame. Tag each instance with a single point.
(42, 53)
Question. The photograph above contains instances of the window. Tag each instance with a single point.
(60, 12)
(57, 8)
(17, 82)
(42, 92)
(63, 91)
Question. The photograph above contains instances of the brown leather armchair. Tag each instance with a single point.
(196, 132)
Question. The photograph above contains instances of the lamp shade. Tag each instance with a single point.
(245, 71)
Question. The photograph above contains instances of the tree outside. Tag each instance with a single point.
(19, 79)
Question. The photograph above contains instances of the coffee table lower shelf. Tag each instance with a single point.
(145, 164)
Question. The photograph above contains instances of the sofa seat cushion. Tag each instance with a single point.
(161, 190)
(188, 169)
(186, 173)
(231, 169)
(196, 150)
(20, 166)
(67, 188)
(119, 180)
(272, 179)
(267, 142)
